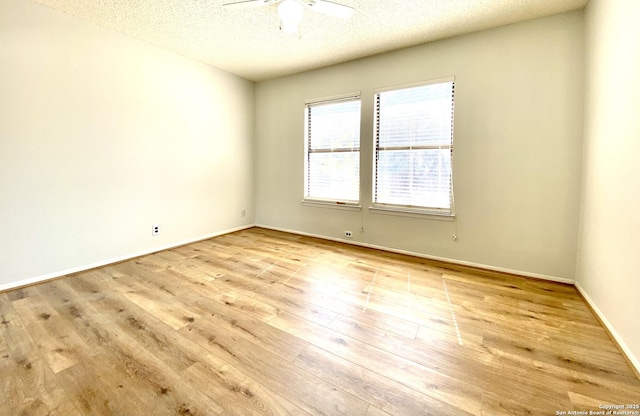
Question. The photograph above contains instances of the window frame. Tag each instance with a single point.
(331, 202)
(411, 210)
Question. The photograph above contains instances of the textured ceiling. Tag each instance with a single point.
(249, 43)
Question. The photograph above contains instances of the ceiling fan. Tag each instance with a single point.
(291, 11)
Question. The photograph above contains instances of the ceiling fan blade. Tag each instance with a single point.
(331, 8)
(245, 4)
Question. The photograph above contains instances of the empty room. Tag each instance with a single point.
(299, 207)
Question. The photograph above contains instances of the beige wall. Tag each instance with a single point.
(608, 267)
(102, 136)
(518, 131)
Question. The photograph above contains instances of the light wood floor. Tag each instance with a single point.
(266, 323)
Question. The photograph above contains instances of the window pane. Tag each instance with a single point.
(415, 177)
(333, 151)
(334, 176)
(419, 116)
(414, 144)
(335, 125)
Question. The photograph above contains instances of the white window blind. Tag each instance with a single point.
(332, 151)
(414, 148)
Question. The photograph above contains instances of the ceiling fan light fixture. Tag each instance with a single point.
(290, 13)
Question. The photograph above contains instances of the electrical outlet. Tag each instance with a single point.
(348, 234)
(155, 229)
(243, 212)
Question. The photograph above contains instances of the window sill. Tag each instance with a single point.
(405, 212)
(348, 206)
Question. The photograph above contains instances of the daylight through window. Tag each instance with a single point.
(332, 151)
(414, 148)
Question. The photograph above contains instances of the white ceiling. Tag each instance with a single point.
(249, 43)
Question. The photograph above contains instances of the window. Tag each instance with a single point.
(414, 148)
(332, 151)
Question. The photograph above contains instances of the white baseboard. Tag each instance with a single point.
(623, 346)
(55, 275)
(426, 256)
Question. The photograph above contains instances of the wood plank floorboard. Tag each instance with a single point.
(261, 322)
